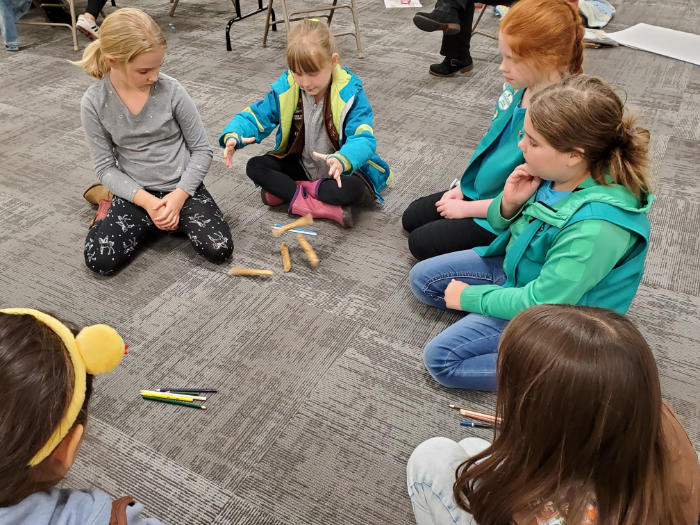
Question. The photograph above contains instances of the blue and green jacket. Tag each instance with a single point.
(588, 249)
(495, 158)
(352, 118)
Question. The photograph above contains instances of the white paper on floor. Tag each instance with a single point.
(399, 3)
(661, 40)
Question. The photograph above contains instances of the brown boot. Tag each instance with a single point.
(96, 193)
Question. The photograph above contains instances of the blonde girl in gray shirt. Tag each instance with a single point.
(149, 147)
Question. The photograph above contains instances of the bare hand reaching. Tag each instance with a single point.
(230, 149)
(335, 167)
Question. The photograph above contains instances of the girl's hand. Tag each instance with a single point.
(230, 148)
(454, 193)
(335, 167)
(453, 292)
(453, 208)
(519, 187)
(169, 208)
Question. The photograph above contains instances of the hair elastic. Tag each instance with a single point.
(95, 350)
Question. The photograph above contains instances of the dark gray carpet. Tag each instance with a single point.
(323, 395)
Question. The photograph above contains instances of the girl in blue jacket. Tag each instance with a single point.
(539, 40)
(324, 158)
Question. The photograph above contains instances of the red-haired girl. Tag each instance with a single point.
(540, 41)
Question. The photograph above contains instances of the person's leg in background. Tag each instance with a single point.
(455, 47)
(87, 22)
(454, 18)
(10, 12)
(430, 475)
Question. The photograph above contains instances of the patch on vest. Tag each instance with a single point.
(505, 100)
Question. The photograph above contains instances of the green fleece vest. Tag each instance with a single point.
(616, 290)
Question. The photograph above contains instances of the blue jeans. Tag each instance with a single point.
(10, 12)
(463, 355)
(430, 474)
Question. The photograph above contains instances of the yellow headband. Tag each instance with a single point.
(95, 350)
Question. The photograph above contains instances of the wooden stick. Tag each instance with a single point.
(286, 261)
(237, 270)
(308, 250)
(479, 415)
(304, 220)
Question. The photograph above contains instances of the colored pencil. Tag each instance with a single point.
(195, 390)
(297, 230)
(171, 395)
(474, 425)
(174, 402)
(479, 415)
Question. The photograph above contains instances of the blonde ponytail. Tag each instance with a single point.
(94, 61)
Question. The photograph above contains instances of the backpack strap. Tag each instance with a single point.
(119, 506)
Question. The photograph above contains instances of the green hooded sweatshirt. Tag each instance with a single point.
(588, 249)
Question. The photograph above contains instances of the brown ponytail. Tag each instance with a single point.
(583, 113)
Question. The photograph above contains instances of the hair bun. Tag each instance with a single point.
(101, 348)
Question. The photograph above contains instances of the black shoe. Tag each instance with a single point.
(450, 66)
(438, 20)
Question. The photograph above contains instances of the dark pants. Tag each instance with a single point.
(431, 235)
(95, 6)
(112, 242)
(457, 46)
(279, 176)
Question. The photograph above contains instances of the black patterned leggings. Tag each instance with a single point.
(112, 242)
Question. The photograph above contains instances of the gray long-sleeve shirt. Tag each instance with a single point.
(161, 148)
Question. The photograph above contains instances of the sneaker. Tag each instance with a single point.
(11, 47)
(450, 66)
(438, 20)
(88, 27)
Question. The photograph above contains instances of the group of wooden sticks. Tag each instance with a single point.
(284, 250)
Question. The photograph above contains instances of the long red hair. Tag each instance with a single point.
(549, 32)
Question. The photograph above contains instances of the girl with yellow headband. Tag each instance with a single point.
(46, 371)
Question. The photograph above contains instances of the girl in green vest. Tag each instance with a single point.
(540, 40)
(572, 223)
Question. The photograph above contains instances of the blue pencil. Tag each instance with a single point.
(474, 425)
(298, 230)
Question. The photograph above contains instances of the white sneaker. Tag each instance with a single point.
(88, 27)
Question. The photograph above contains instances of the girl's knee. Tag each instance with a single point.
(437, 362)
(217, 253)
(425, 457)
(254, 166)
(417, 244)
(103, 265)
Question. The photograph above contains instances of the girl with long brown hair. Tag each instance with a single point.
(47, 368)
(573, 229)
(585, 436)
